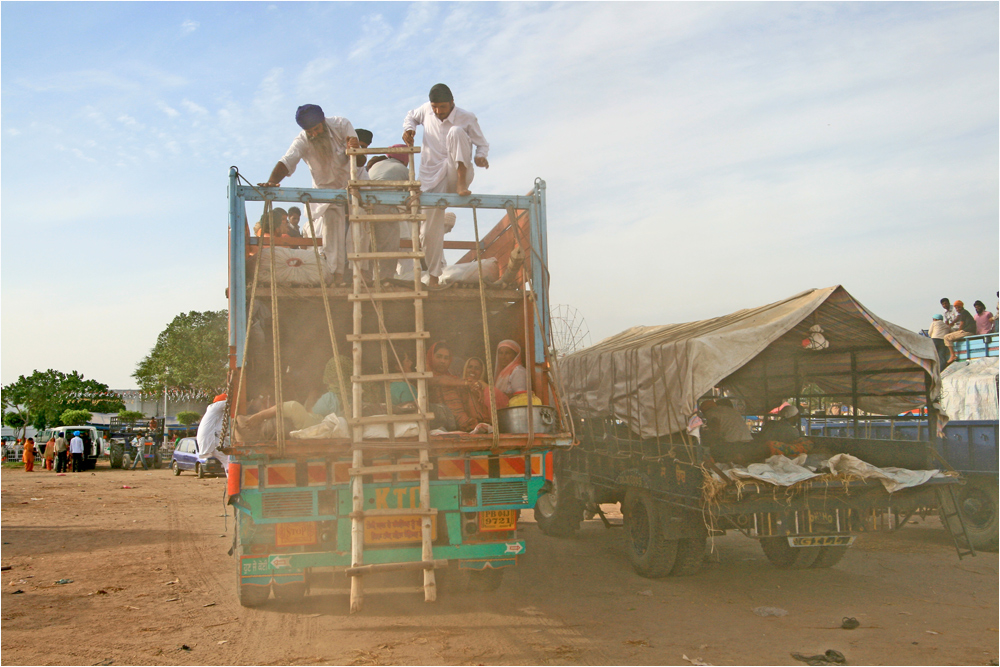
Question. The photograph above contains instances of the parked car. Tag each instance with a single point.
(185, 457)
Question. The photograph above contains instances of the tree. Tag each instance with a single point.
(191, 354)
(42, 397)
(71, 417)
(130, 416)
(188, 418)
(16, 421)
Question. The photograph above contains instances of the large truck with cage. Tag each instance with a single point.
(645, 429)
(376, 490)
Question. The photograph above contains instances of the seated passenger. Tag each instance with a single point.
(512, 378)
(785, 428)
(449, 390)
(724, 422)
(263, 424)
(403, 393)
(482, 393)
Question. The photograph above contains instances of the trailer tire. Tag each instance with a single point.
(651, 553)
(249, 595)
(486, 580)
(454, 580)
(690, 556)
(977, 501)
(829, 556)
(786, 557)
(558, 512)
(292, 592)
(116, 453)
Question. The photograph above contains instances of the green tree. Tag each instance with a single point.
(42, 397)
(72, 417)
(188, 418)
(191, 354)
(130, 416)
(16, 421)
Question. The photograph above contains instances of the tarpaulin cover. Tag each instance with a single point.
(651, 378)
(969, 389)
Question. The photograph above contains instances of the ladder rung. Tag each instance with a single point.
(387, 296)
(393, 512)
(388, 217)
(390, 377)
(383, 184)
(399, 254)
(398, 467)
(374, 150)
(405, 335)
(393, 567)
(386, 419)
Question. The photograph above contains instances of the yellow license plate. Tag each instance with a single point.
(494, 520)
(395, 529)
(295, 534)
(821, 541)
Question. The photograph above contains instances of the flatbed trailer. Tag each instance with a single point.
(319, 511)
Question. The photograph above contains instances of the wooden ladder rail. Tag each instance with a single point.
(360, 295)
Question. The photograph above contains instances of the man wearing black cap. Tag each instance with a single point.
(446, 162)
(321, 144)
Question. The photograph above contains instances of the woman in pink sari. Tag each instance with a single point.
(512, 378)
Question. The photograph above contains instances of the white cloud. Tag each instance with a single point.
(194, 108)
(189, 26)
(14, 132)
(170, 111)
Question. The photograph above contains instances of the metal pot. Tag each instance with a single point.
(515, 420)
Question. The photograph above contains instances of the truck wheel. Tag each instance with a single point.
(977, 501)
(252, 595)
(558, 511)
(786, 557)
(690, 555)
(486, 580)
(829, 556)
(176, 468)
(292, 592)
(199, 471)
(651, 553)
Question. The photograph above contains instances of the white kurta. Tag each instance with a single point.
(445, 143)
(333, 174)
(209, 432)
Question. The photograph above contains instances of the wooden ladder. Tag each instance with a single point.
(953, 522)
(363, 293)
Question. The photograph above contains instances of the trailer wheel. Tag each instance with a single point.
(486, 580)
(786, 557)
(249, 595)
(829, 556)
(651, 553)
(292, 592)
(690, 555)
(558, 511)
(454, 580)
(977, 501)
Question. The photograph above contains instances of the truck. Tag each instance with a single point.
(639, 404)
(375, 490)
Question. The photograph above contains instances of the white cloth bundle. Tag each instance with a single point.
(292, 266)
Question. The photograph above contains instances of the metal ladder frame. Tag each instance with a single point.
(361, 294)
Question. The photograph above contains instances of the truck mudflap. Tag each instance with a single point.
(258, 569)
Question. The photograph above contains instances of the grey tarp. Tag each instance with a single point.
(969, 389)
(652, 377)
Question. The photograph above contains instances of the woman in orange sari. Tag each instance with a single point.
(449, 390)
(29, 455)
(482, 393)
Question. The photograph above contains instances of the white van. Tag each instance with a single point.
(93, 443)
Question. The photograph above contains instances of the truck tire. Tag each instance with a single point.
(977, 502)
(786, 557)
(249, 595)
(690, 556)
(116, 456)
(486, 580)
(651, 553)
(829, 556)
(558, 511)
(292, 592)
(454, 580)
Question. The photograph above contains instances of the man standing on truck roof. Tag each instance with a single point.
(446, 162)
(966, 327)
(321, 144)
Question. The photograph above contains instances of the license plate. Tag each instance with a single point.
(299, 533)
(821, 540)
(495, 520)
(395, 529)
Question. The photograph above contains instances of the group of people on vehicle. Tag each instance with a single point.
(956, 323)
(729, 438)
(453, 146)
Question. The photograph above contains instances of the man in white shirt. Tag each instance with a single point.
(321, 144)
(446, 162)
(76, 451)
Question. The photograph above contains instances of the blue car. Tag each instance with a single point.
(186, 457)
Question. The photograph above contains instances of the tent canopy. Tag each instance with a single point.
(651, 378)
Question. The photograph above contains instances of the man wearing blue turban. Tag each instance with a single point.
(321, 144)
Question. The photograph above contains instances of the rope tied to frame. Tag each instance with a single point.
(486, 335)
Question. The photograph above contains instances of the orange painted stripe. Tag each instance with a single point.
(341, 472)
(512, 466)
(536, 465)
(451, 468)
(283, 475)
(409, 475)
(479, 468)
(251, 477)
(317, 474)
(385, 477)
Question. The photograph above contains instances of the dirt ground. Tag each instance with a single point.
(150, 583)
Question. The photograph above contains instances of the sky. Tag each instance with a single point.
(699, 157)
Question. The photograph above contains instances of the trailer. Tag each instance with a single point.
(375, 489)
(638, 401)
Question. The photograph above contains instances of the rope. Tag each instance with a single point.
(486, 337)
(276, 336)
(344, 400)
